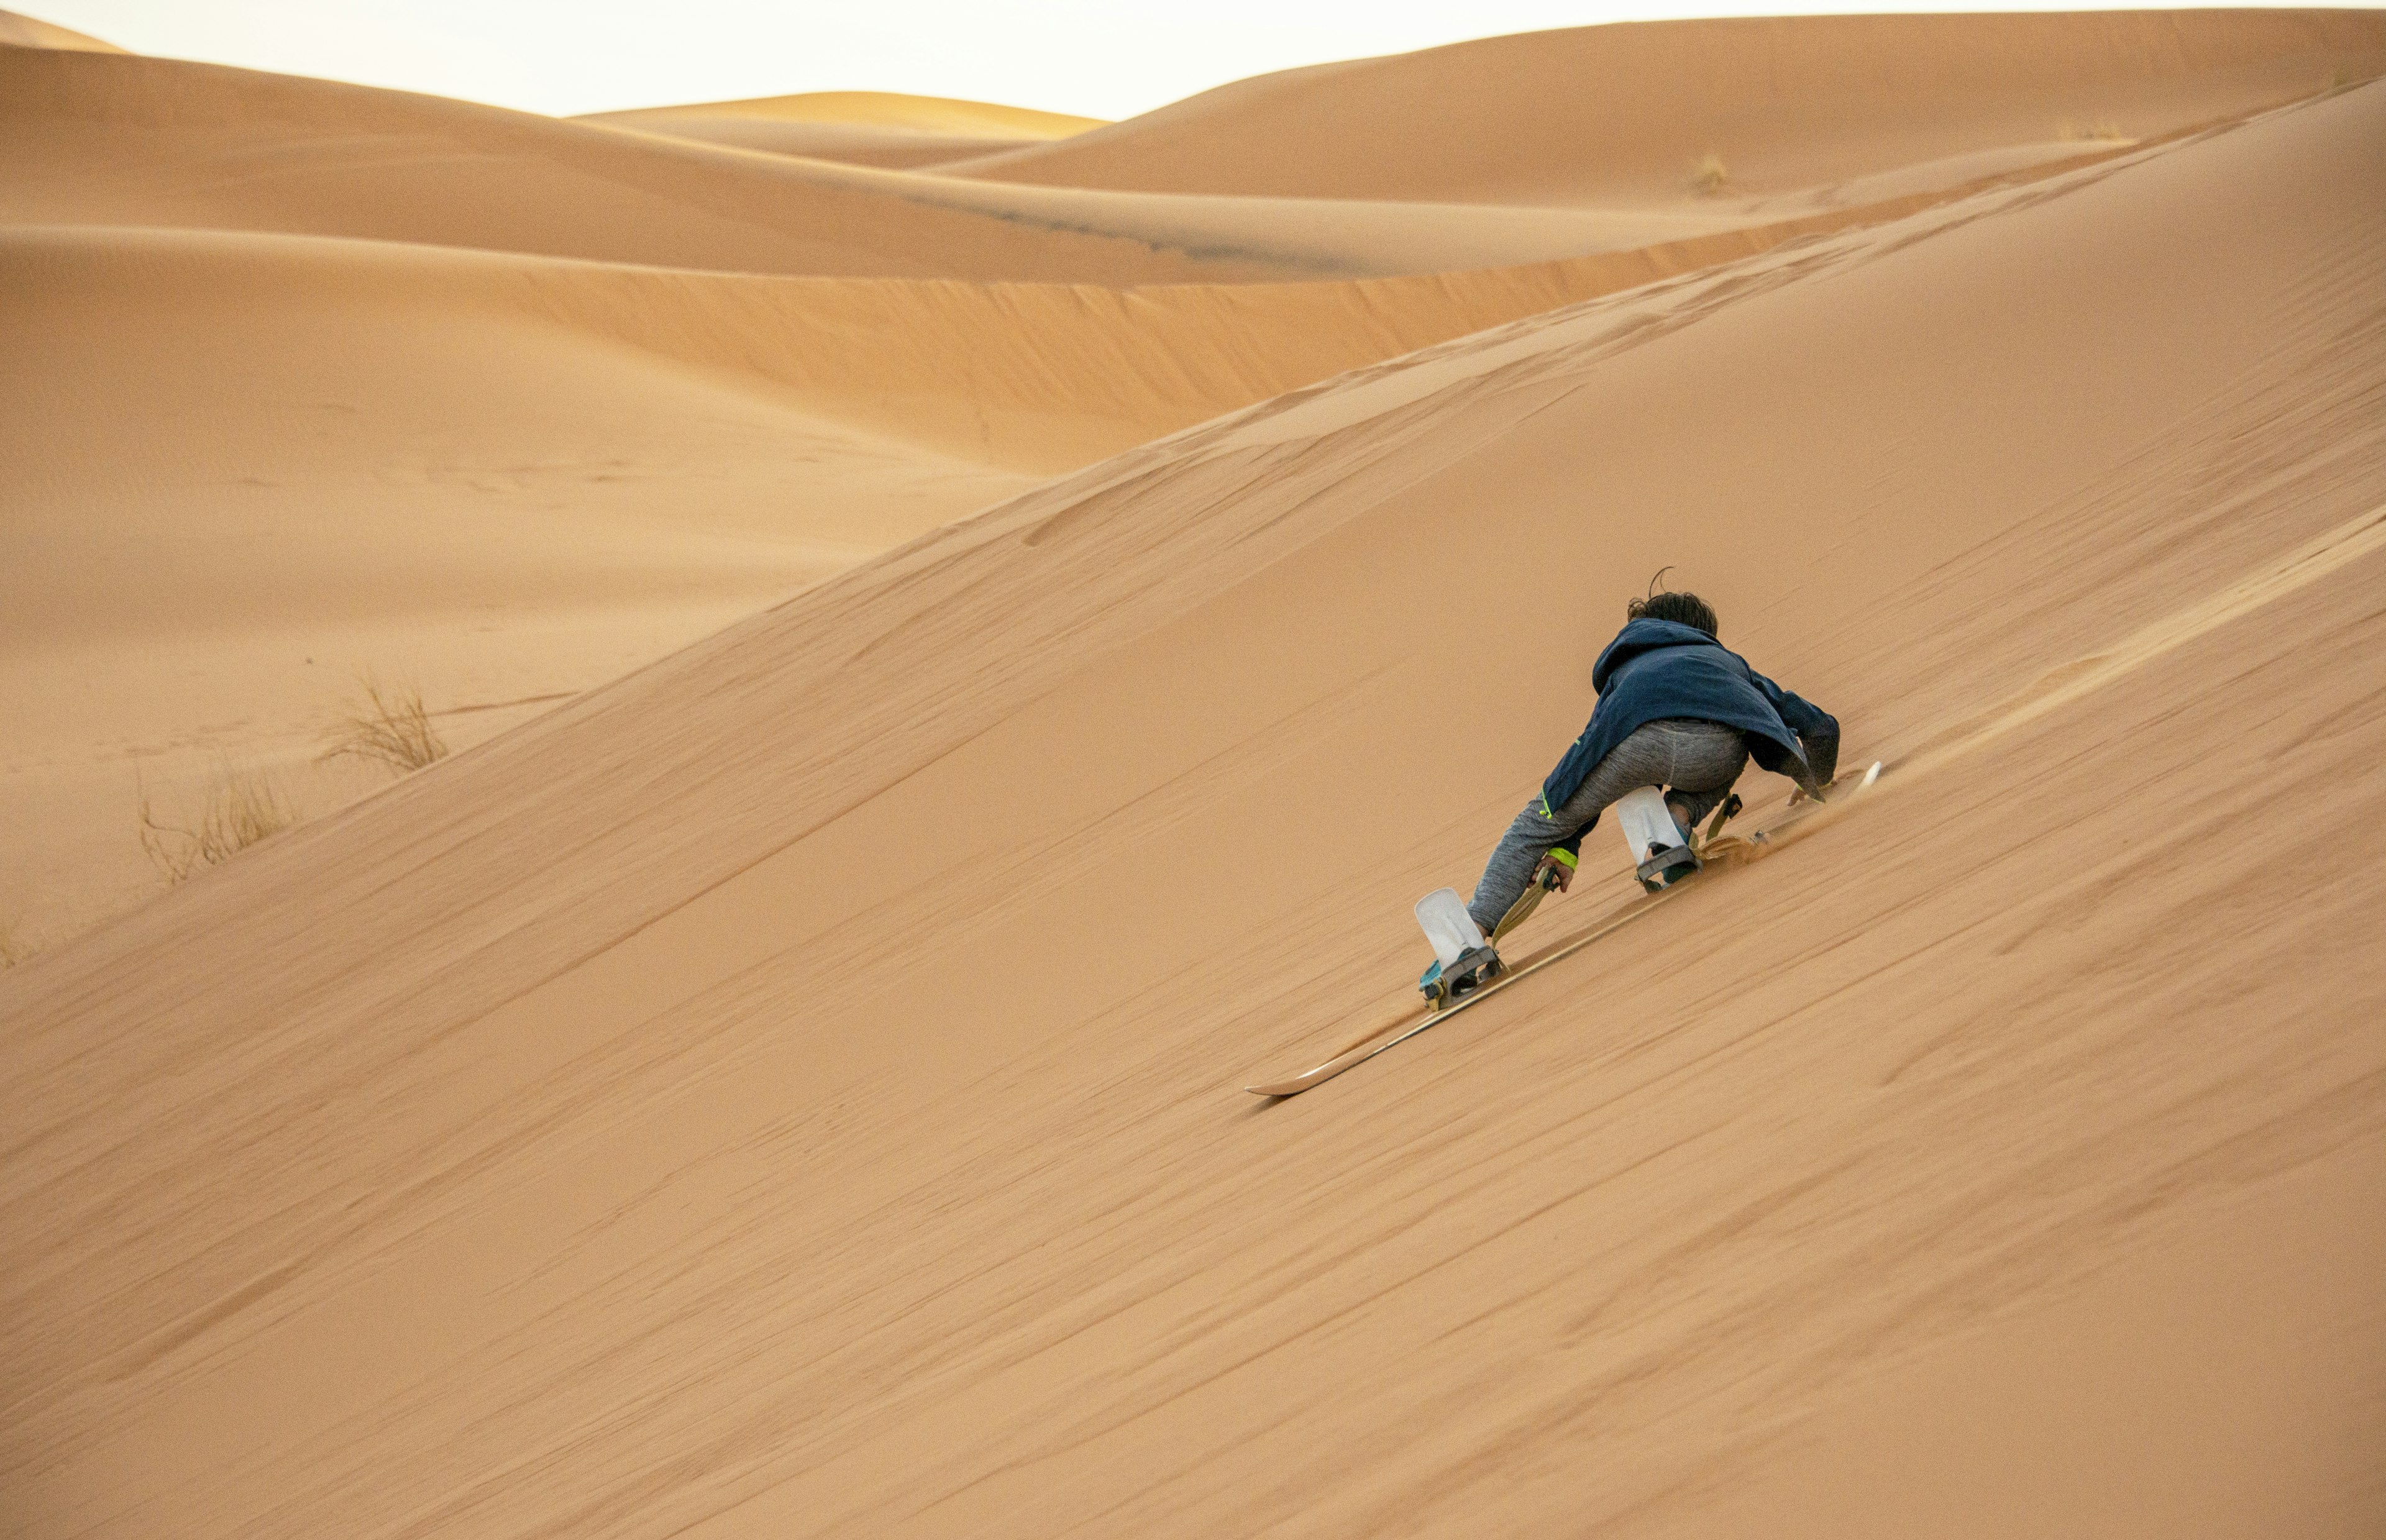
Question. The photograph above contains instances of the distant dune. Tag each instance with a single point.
(865, 128)
(115, 141)
(852, 143)
(956, 675)
(1628, 116)
(23, 32)
(885, 110)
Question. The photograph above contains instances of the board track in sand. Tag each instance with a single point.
(1376, 1043)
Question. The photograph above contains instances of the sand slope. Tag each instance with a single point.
(367, 444)
(1623, 116)
(792, 1090)
(245, 470)
(425, 445)
(512, 478)
(516, 403)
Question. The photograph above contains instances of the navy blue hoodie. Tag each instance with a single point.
(1656, 670)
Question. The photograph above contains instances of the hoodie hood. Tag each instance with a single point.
(1659, 670)
(1640, 638)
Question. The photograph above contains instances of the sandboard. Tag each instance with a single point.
(1728, 851)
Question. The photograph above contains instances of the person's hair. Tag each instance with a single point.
(1686, 609)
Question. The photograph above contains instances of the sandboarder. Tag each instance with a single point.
(1676, 710)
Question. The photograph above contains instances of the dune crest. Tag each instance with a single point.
(1629, 115)
(885, 110)
(24, 31)
(864, 127)
(88, 143)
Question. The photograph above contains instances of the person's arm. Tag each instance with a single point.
(1566, 855)
(1817, 730)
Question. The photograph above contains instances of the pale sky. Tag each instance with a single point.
(1099, 59)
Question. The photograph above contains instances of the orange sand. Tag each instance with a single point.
(508, 404)
(792, 1089)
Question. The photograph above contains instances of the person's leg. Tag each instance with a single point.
(1513, 861)
(1707, 757)
(1641, 760)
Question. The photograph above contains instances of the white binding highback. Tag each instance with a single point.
(1446, 924)
(1647, 822)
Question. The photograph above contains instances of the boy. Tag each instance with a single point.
(1675, 711)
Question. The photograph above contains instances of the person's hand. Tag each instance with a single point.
(1550, 864)
(1800, 794)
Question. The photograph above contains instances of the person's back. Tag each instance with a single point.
(1676, 710)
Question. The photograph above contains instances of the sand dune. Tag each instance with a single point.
(101, 140)
(347, 463)
(1624, 115)
(131, 142)
(23, 32)
(1056, 375)
(866, 128)
(885, 110)
(368, 499)
(792, 1090)
(853, 144)
(514, 478)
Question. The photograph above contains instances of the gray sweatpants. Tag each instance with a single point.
(1695, 762)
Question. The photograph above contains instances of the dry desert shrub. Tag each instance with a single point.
(241, 808)
(1709, 176)
(388, 726)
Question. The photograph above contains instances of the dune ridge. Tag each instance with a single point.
(1058, 375)
(792, 1090)
(865, 128)
(129, 140)
(1786, 102)
(24, 31)
(888, 109)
